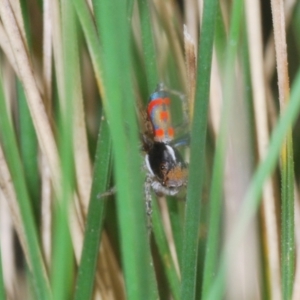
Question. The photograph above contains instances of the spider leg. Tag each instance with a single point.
(148, 201)
(185, 106)
(107, 193)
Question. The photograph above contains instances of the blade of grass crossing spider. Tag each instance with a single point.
(252, 198)
(35, 261)
(211, 258)
(152, 80)
(119, 105)
(164, 251)
(94, 223)
(29, 151)
(287, 218)
(197, 161)
(63, 258)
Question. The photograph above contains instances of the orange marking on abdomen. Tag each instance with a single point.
(171, 131)
(159, 132)
(158, 101)
(164, 116)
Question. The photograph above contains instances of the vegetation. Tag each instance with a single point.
(74, 82)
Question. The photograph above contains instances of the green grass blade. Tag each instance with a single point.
(175, 212)
(165, 253)
(29, 151)
(197, 161)
(2, 286)
(252, 198)
(119, 105)
(62, 257)
(91, 36)
(35, 261)
(287, 218)
(95, 217)
(216, 189)
(152, 80)
(148, 45)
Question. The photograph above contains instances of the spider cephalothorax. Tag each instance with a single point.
(166, 169)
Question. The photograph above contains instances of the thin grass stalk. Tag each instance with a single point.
(92, 39)
(7, 235)
(29, 151)
(2, 286)
(252, 198)
(32, 251)
(216, 190)
(81, 152)
(220, 39)
(165, 254)
(191, 68)
(7, 50)
(148, 45)
(287, 165)
(76, 217)
(191, 17)
(62, 259)
(197, 161)
(47, 53)
(271, 250)
(287, 218)
(120, 111)
(46, 212)
(107, 261)
(168, 19)
(95, 217)
(174, 209)
(21, 12)
(296, 288)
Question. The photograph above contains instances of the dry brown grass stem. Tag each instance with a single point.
(281, 51)
(17, 11)
(36, 106)
(216, 96)
(165, 14)
(168, 230)
(191, 19)
(191, 67)
(38, 113)
(7, 247)
(81, 152)
(6, 48)
(270, 50)
(35, 103)
(108, 265)
(46, 210)
(261, 124)
(82, 160)
(47, 54)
